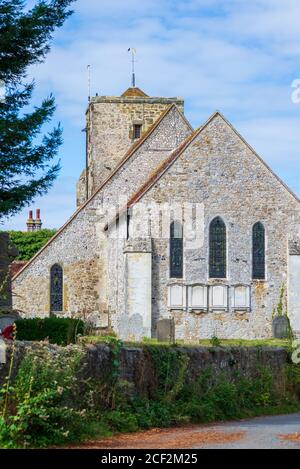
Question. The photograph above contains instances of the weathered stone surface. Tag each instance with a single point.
(281, 327)
(294, 247)
(110, 122)
(223, 173)
(81, 247)
(2, 351)
(216, 170)
(166, 330)
(138, 368)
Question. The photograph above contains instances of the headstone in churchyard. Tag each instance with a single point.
(2, 351)
(281, 327)
(166, 330)
(8, 319)
(7, 254)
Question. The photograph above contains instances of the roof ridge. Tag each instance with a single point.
(161, 169)
(258, 156)
(126, 157)
(140, 141)
(158, 173)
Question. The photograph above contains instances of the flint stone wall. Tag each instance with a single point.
(220, 171)
(138, 368)
(81, 248)
(110, 122)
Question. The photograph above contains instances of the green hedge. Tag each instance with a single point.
(29, 243)
(60, 331)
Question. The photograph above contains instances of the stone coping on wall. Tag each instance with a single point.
(142, 100)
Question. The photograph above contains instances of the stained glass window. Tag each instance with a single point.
(176, 250)
(217, 249)
(258, 251)
(56, 288)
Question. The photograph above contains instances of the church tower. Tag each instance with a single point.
(113, 125)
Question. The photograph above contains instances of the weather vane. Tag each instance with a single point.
(133, 53)
(89, 81)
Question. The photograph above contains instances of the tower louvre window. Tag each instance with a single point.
(137, 131)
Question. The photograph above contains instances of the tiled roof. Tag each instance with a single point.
(16, 266)
(134, 93)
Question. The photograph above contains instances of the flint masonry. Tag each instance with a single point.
(225, 281)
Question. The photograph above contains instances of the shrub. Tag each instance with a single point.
(122, 421)
(215, 341)
(53, 401)
(60, 331)
(29, 243)
(38, 409)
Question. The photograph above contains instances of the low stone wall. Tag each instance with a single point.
(137, 367)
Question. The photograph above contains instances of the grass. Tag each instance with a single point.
(95, 339)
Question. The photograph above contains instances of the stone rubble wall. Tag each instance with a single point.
(137, 367)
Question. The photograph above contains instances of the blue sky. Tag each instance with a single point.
(236, 56)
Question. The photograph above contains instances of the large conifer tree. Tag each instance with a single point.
(26, 156)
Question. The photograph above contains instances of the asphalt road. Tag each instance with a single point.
(259, 433)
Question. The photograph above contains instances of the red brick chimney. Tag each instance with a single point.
(38, 221)
(30, 221)
(34, 225)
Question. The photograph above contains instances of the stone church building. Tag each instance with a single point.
(174, 223)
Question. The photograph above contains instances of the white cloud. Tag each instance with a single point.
(56, 207)
(236, 56)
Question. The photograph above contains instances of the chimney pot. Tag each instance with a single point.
(38, 214)
(30, 215)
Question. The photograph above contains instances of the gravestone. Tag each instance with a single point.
(281, 327)
(7, 254)
(2, 352)
(166, 330)
(8, 319)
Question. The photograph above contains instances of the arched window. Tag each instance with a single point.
(56, 288)
(258, 251)
(217, 249)
(176, 250)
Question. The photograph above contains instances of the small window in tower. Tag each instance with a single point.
(137, 130)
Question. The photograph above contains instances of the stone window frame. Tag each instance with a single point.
(140, 124)
(232, 297)
(181, 277)
(219, 308)
(184, 296)
(197, 308)
(50, 292)
(226, 250)
(265, 253)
